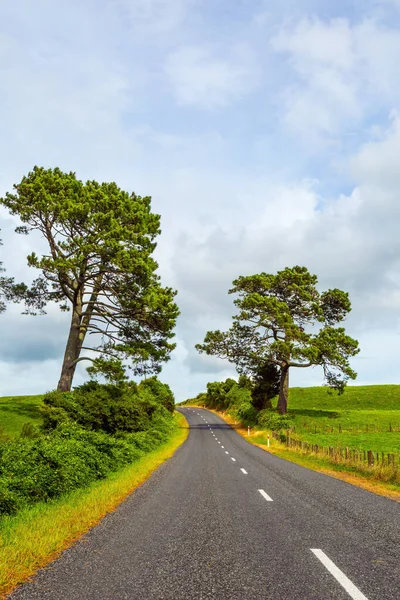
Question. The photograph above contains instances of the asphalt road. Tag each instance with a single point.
(223, 519)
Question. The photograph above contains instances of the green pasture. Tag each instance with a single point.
(364, 417)
(15, 411)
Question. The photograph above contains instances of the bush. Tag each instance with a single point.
(160, 392)
(88, 433)
(271, 420)
(68, 458)
(217, 393)
(104, 407)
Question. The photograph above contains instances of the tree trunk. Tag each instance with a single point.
(283, 390)
(72, 352)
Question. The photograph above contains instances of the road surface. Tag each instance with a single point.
(223, 520)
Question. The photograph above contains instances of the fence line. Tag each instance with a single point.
(336, 453)
(367, 428)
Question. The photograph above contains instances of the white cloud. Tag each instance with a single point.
(148, 17)
(342, 73)
(202, 78)
(314, 41)
(377, 161)
(351, 243)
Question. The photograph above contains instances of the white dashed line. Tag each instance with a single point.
(222, 446)
(234, 459)
(344, 581)
(219, 442)
(244, 471)
(265, 496)
(226, 452)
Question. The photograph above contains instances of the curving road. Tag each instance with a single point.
(223, 519)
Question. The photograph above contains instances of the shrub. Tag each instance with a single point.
(101, 407)
(160, 392)
(87, 434)
(217, 392)
(271, 420)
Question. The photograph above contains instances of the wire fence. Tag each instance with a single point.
(346, 455)
(367, 428)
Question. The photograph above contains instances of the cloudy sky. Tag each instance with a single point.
(267, 133)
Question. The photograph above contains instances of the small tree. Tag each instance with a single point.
(99, 266)
(285, 321)
(265, 386)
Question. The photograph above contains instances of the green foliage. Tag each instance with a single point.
(271, 420)
(77, 447)
(235, 397)
(265, 386)
(46, 468)
(245, 382)
(99, 265)
(108, 408)
(160, 391)
(285, 321)
(239, 405)
(216, 393)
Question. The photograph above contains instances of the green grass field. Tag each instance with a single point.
(360, 418)
(15, 411)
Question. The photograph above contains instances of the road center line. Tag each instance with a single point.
(234, 459)
(226, 452)
(222, 446)
(219, 442)
(344, 581)
(244, 471)
(265, 496)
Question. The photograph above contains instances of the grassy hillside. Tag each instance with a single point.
(17, 410)
(366, 397)
(364, 417)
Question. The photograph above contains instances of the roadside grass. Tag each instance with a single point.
(37, 535)
(15, 411)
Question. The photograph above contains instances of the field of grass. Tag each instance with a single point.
(364, 417)
(355, 397)
(15, 411)
(38, 534)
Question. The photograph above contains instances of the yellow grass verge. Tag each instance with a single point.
(37, 535)
(278, 449)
